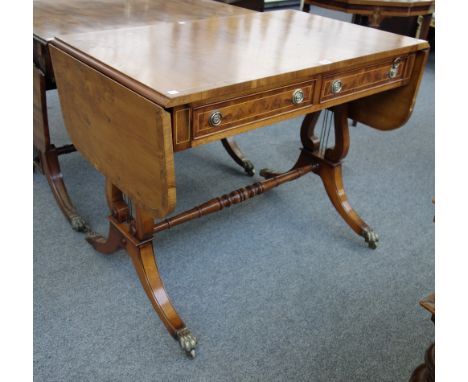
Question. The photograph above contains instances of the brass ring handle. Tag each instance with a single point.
(392, 73)
(336, 86)
(297, 97)
(215, 119)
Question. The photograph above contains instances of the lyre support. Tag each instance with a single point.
(330, 171)
(308, 139)
(328, 161)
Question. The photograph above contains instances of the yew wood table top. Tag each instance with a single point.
(56, 17)
(200, 75)
(185, 62)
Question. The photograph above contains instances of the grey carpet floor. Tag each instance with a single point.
(276, 289)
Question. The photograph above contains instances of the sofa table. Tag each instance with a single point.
(132, 97)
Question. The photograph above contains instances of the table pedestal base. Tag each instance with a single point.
(134, 231)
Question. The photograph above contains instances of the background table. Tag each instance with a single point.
(255, 5)
(373, 12)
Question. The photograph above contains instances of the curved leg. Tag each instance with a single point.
(135, 234)
(302, 161)
(107, 245)
(330, 173)
(51, 168)
(144, 261)
(333, 182)
(328, 167)
(235, 152)
(268, 173)
(46, 154)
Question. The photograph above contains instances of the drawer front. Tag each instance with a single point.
(344, 83)
(237, 112)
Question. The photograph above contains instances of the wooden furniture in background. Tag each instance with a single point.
(426, 371)
(255, 5)
(373, 12)
(57, 17)
(199, 76)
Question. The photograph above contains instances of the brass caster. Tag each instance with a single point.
(249, 168)
(370, 237)
(187, 341)
(79, 224)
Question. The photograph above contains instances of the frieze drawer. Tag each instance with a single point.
(362, 79)
(216, 117)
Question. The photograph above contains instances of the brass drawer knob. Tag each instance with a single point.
(297, 97)
(336, 86)
(215, 119)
